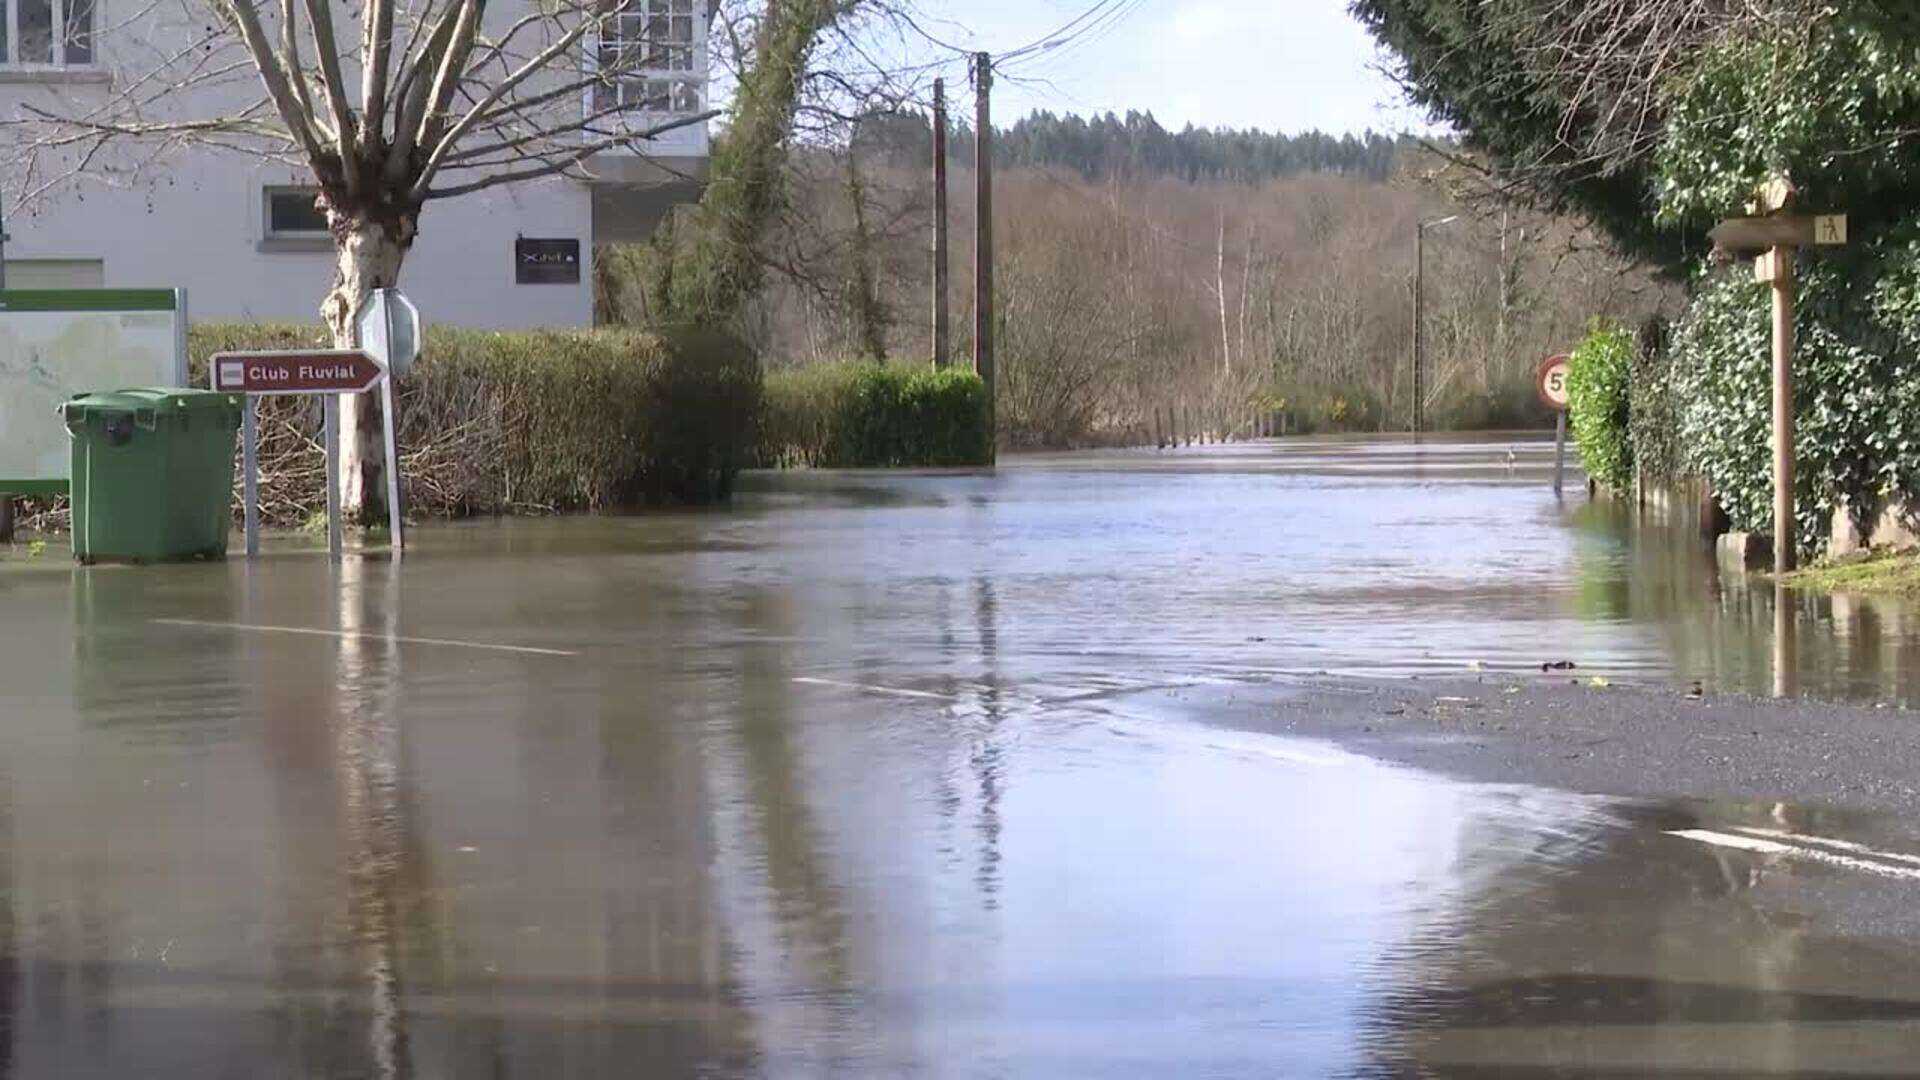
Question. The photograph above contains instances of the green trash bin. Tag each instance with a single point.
(152, 474)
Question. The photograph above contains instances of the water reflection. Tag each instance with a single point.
(1638, 959)
(859, 785)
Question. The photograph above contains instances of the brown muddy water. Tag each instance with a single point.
(856, 779)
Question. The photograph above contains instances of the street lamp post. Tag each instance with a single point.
(1419, 407)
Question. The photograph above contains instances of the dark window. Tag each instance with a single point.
(36, 32)
(78, 30)
(291, 212)
(47, 32)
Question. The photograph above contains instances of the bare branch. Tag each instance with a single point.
(570, 159)
(376, 52)
(327, 50)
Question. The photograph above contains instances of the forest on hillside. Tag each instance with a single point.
(1141, 269)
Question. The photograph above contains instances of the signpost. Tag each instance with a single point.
(390, 333)
(1772, 239)
(327, 372)
(316, 371)
(1551, 383)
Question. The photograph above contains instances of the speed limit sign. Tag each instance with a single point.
(1551, 381)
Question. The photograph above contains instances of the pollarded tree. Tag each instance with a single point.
(389, 105)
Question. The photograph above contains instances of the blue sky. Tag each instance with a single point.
(1285, 65)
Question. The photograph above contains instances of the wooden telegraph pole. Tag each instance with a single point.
(1772, 235)
(983, 233)
(940, 223)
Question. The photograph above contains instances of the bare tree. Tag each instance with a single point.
(431, 99)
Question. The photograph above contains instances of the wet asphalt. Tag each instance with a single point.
(1226, 762)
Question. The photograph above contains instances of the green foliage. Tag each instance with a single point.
(1834, 107)
(545, 421)
(1653, 414)
(1857, 416)
(875, 416)
(1597, 373)
(1463, 61)
(1135, 144)
(711, 260)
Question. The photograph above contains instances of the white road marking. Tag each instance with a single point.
(1762, 846)
(871, 689)
(354, 635)
(1838, 845)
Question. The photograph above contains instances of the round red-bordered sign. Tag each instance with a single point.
(1551, 383)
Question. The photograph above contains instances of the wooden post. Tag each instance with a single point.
(983, 232)
(940, 223)
(1781, 276)
(6, 518)
(1158, 442)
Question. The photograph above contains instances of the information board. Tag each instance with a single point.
(59, 343)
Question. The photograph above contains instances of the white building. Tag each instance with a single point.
(241, 234)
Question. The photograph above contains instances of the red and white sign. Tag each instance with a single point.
(311, 371)
(1551, 381)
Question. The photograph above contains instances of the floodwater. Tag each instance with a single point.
(862, 778)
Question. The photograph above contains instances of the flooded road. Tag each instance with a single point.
(863, 778)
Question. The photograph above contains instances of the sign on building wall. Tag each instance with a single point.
(58, 343)
(546, 262)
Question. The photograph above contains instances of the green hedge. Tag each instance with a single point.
(874, 416)
(1597, 377)
(537, 421)
(1856, 393)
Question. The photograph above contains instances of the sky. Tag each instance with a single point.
(1280, 65)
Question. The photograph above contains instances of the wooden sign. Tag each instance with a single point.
(1752, 235)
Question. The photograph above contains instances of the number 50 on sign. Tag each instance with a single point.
(1551, 381)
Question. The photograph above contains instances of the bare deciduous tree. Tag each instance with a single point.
(431, 99)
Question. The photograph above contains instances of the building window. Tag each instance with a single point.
(292, 214)
(648, 57)
(47, 33)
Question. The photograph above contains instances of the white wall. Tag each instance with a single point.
(193, 217)
(200, 227)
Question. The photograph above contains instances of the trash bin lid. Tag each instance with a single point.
(155, 399)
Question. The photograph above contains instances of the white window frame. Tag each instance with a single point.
(694, 74)
(58, 51)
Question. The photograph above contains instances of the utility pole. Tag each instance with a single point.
(1419, 274)
(983, 235)
(6, 500)
(1419, 306)
(940, 223)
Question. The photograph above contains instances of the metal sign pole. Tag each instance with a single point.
(250, 475)
(330, 410)
(1559, 450)
(396, 521)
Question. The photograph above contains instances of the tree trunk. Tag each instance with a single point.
(368, 251)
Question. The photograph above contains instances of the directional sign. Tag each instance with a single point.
(1551, 382)
(309, 371)
(1752, 235)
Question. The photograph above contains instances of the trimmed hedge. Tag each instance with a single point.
(1598, 408)
(538, 421)
(1856, 396)
(875, 416)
